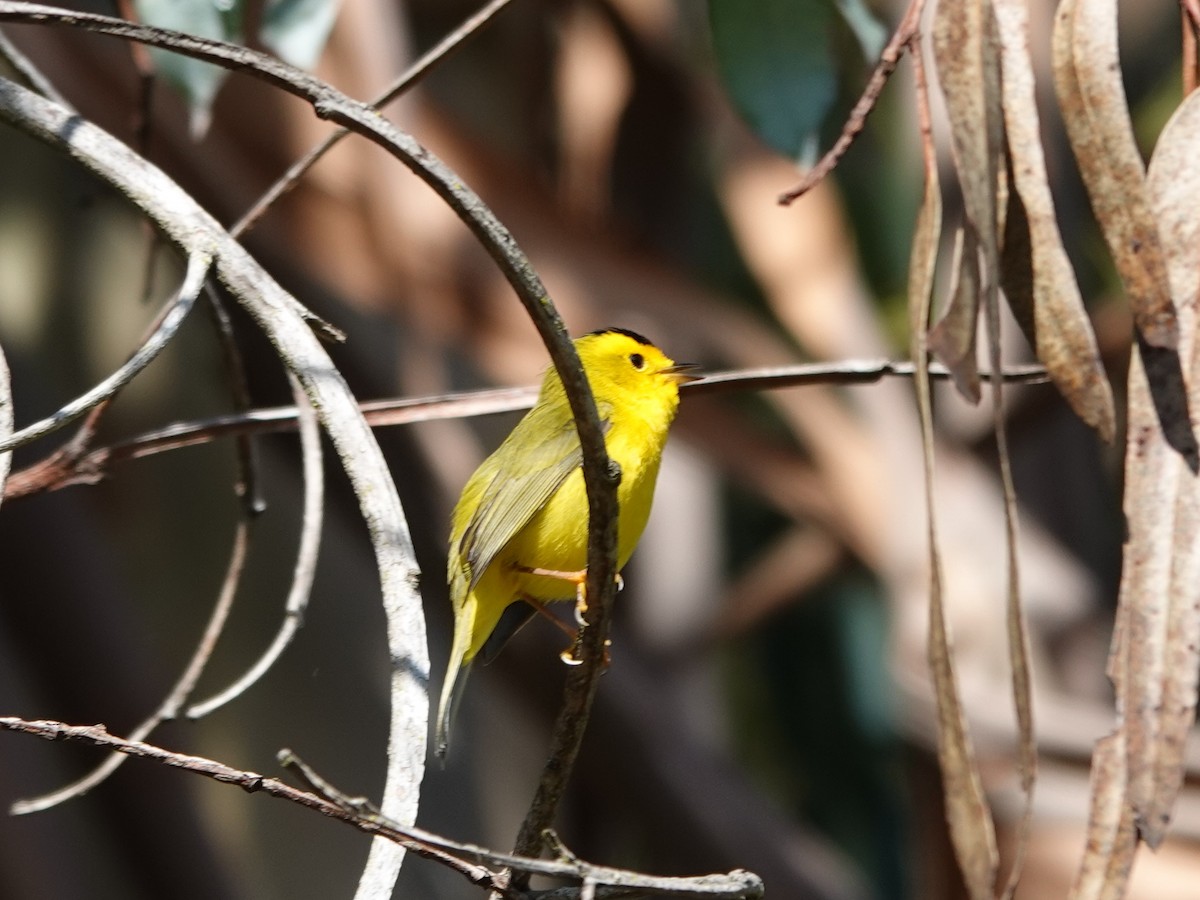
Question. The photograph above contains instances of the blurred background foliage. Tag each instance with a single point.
(768, 706)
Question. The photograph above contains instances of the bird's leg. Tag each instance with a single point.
(579, 579)
(540, 608)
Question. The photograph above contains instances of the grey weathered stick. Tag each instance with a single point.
(178, 695)
(178, 308)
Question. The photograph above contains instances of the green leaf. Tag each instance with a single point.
(197, 81)
(776, 59)
(298, 29)
(868, 30)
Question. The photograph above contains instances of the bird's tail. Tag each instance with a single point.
(456, 678)
(452, 689)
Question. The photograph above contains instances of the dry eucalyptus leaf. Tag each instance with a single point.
(965, 49)
(952, 339)
(1041, 286)
(1087, 76)
(967, 814)
(1161, 584)
(1111, 840)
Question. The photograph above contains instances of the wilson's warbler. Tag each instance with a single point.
(520, 529)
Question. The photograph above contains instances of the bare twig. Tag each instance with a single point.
(31, 76)
(418, 70)
(183, 688)
(901, 40)
(55, 472)
(235, 369)
(306, 558)
(736, 885)
(176, 312)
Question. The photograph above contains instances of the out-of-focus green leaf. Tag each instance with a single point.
(298, 29)
(867, 29)
(774, 57)
(197, 81)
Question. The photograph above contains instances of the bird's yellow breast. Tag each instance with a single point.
(556, 537)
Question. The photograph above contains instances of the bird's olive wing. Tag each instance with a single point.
(521, 476)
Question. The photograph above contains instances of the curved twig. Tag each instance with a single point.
(247, 485)
(31, 76)
(306, 558)
(176, 311)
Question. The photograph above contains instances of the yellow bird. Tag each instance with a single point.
(520, 529)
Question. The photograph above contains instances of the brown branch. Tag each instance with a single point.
(467, 859)
(164, 329)
(900, 41)
(66, 467)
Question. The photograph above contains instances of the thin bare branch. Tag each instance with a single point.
(735, 885)
(418, 70)
(31, 76)
(306, 558)
(247, 486)
(857, 120)
(57, 472)
(176, 311)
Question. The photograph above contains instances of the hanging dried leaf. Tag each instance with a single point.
(1087, 76)
(1161, 586)
(1111, 840)
(967, 813)
(1035, 272)
(964, 47)
(952, 339)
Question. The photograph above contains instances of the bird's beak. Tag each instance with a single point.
(681, 373)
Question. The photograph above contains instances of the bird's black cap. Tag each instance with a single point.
(625, 331)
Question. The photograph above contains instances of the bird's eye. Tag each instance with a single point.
(639, 361)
